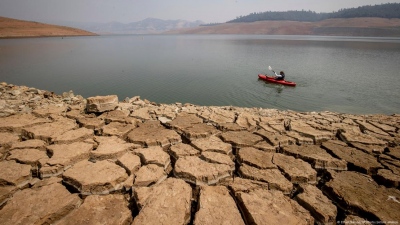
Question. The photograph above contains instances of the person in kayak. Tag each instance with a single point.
(280, 76)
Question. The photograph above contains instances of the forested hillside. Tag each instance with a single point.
(389, 10)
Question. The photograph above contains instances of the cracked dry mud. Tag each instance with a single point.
(69, 160)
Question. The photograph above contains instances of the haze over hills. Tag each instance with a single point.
(378, 21)
(368, 27)
(146, 26)
(13, 28)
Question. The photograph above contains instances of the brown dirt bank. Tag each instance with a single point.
(12, 28)
(69, 160)
(334, 27)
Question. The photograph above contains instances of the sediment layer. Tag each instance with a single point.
(135, 161)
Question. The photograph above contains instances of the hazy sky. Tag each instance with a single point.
(134, 10)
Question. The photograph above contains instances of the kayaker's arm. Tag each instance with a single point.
(277, 75)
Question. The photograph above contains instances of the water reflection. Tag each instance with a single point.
(278, 88)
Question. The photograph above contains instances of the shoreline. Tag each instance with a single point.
(240, 164)
(50, 36)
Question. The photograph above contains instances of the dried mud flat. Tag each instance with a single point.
(70, 160)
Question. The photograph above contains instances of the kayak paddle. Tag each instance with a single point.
(270, 68)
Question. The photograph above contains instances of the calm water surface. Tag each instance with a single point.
(341, 74)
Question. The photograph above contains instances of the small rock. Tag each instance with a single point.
(15, 92)
(102, 103)
(163, 119)
(35, 99)
(69, 94)
(33, 91)
(3, 103)
(48, 94)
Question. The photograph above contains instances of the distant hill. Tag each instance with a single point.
(13, 28)
(369, 27)
(146, 26)
(376, 21)
(388, 11)
(371, 21)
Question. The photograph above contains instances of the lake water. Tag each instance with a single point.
(340, 74)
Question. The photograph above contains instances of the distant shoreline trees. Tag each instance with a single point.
(388, 10)
(210, 24)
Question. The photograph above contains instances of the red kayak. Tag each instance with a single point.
(273, 80)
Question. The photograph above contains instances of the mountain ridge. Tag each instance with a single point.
(145, 26)
(387, 10)
(368, 27)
